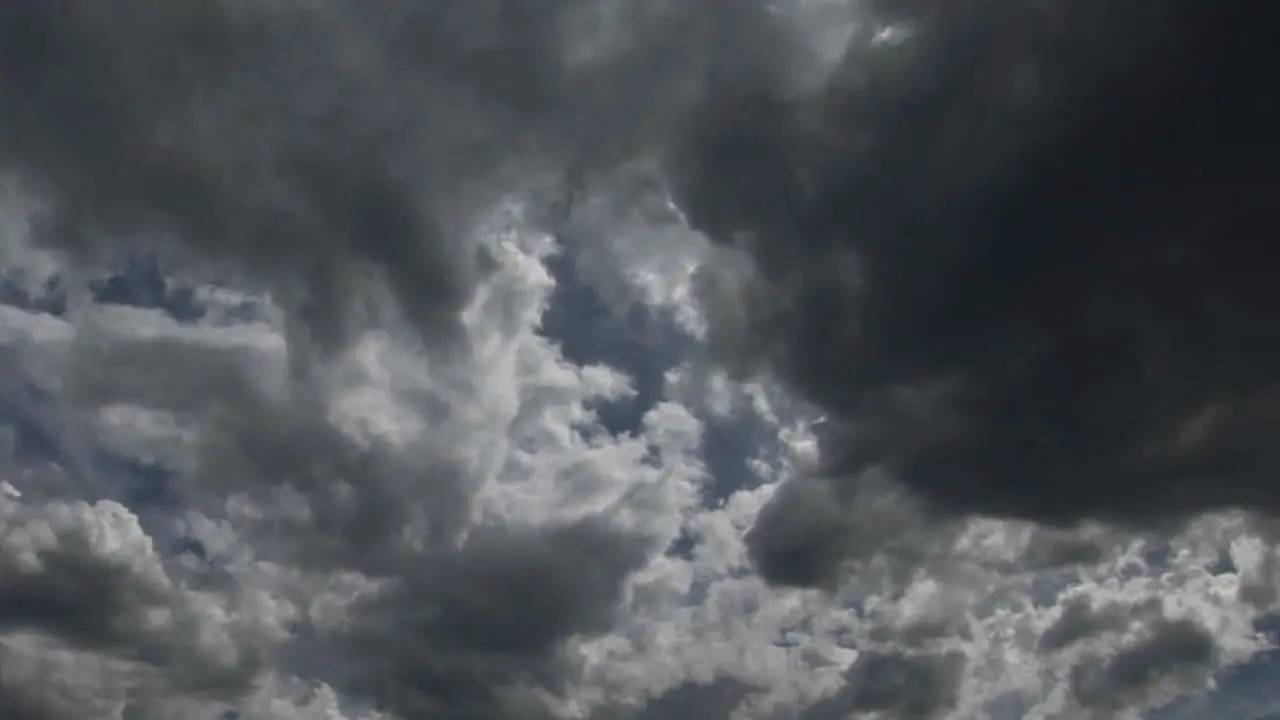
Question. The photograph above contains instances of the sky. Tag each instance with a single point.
(635, 359)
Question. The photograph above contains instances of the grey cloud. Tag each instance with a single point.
(457, 632)
(813, 532)
(81, 599)
(19, 700)
(689, 700)
(922, 633)
(1080, 620)
(162, 373)
(263, 432)
(21, 708)
(1177, 652)
(453, 637)
(799, 537)
(354, 501)
(897, 685)
(20, 704)
(1050, 549)
(86, 579)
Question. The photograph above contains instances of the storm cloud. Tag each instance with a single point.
(1017, 252)
(315, 150)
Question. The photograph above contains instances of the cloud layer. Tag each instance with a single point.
(601, 360)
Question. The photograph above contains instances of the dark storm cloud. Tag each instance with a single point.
(1020, 251)
(85, 595)
(233, 131)
(689, 700)
(693, 700)
(813, 532)
(302, 145)
(895, 685)
(76, 597)
(1177, 653)
(19, 704)
(800, 536)
(1080, 620)
(1051, 549)
(453, 637)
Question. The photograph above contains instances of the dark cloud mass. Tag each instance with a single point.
(226, 128)
(490, 617)
(1174, 649)
(304, 147)
(1078, 621)
(1019, 250)
(897, 685)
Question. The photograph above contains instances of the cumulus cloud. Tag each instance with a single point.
(538, 360)
(88, 577)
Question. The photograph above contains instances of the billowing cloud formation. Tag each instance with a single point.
(341, 441)
(331, 141)
(491, 616)
(1016, 251)
(349, 528)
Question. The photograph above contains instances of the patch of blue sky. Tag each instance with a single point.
(640, 341)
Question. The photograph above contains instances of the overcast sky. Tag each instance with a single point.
(638, 360)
